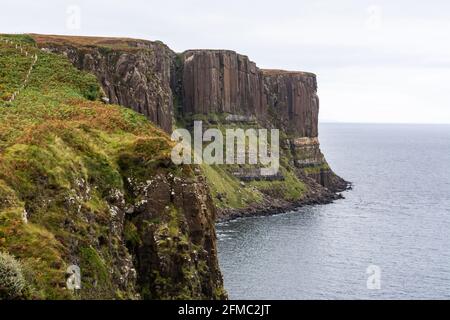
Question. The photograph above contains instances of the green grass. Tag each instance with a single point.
(227, 190)
(291, 189)
(230, 193)
(97, 280)
(317, 169)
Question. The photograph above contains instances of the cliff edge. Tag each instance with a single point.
(223, 89)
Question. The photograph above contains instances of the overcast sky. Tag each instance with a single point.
(376, 61)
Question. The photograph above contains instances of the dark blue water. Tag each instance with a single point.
(397, 217)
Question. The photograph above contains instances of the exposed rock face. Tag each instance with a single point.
(220, 81)
(293, 98)
(309, 158)
(133, 73)
(175, 250)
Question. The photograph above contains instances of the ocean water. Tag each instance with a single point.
(395, 221)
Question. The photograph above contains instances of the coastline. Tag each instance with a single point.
(276, 206)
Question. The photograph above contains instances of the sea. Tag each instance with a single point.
(388, 239)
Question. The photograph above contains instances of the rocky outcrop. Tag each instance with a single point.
(133, 73)
(220, 81)
(308, 157)
(171, 235)
(292, 97)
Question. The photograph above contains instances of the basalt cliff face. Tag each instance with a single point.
(220, 87)
(218, 81)
(292, 99)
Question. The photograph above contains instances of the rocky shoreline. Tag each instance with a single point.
(271, 206)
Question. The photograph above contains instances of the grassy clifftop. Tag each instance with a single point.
(72, 175)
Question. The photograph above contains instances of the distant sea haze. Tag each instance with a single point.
(395, 221)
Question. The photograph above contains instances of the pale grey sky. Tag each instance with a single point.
(376, 61)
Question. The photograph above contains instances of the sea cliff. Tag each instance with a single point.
(225, 90)
(86, 176)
